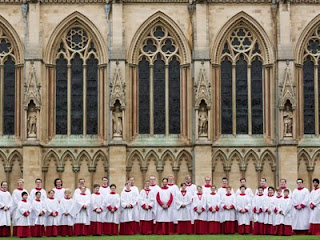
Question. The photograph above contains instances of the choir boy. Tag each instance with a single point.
(213, 206)
(164, 210)
(97, 214)
(58, 189)
(183, 202)
(104, 189)
(146, 204)
(258, 213)
(129, 199)
(111, 206)
(243, 207)
(38, 188)
(38, 215)
(23, 216)
(5, 210)
(81, 212)
(285, 214)
(66, 221)
(269, 216)
(315, 208)
(52, 214)
(300, 197)
(228, 213)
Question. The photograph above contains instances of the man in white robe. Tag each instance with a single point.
(77, 191)
(191, 188)
(146, 205)
(263, 183)
(283, 185)
(164, 210)
(153, 186)
(213, 206)
(58, 189)
(315, 208)
(104, 189)
(5, 210)
(248, 192)
(81, 212)
(38, 188)
(16, 198)
(112, 207)
(183, 203)
(129, 200)
(206, 188)
(300, 198)
(243, 207)
(223, 190)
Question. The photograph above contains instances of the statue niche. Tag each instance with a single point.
(203, 120)
(117, 120)
(32, 120)
(288, 120)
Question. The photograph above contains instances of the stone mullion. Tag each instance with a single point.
(151, 100)
(18, 94)
(316, 99)
(135, 91)
(249, 101)
(100, 103)
(182, 100)
(234, 94)
(2, 97)
(84, 99)
(167, 100)
(69, 100)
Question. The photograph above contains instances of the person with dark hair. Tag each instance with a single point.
(146, 205)
(258, 213)
(263, 183)
(269, 209)
(243, 208)
(104, 189)
(58, 189)
(315, 208)
(300, 198)
(248, 191)
(213, 206)
(129, 199)
(164, 210)
(283, 185)
(97, 214)
(111, 206)
(5, 210)
(223, 190)
(191, 188)
(38, 188)
(38, 216)
(23, 216)
(183, 203)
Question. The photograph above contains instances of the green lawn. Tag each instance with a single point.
(188, 237)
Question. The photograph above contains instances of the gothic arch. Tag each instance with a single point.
(235, 155)
(51, 155)
(15, 156)
(253, 26)
(150, 155)
(83, 156)
(99, 156)
(304, 156)
(67, 155)
(250, 153)
(316, 157)
(162, 19)
(67, 23)
(304, 36)
(14, 39)
(218, 156)
(167, 155)
(185, 155)
(135, 155)
(268, 156)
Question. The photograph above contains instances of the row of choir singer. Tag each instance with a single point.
(168, 209)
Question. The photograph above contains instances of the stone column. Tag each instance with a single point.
(31, 165)
(202, 163)
(117, 165)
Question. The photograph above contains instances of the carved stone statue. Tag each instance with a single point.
(117, 121)
(288, 122)
(203, 122)
(32, 122)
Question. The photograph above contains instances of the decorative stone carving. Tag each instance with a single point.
(117, 88)
(288, 120)
(287, 89)
(117, 120)
(32, 89)
(203, 121)
(202, 88)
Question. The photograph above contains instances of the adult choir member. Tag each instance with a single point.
(248, 192)
(315, 208)
(5, 210)
(77, 191)
(206, 188)
(104, 189)
(58, 189)
(38, 188)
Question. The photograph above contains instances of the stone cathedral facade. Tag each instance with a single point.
(93, 88)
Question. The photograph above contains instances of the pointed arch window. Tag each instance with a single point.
(311, 83)
(241, 83)
(76, 84)
(159, 84)
(7, 85)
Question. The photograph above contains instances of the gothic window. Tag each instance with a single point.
(7, 80)
(159, 84)
(76, 84)
(311, 84)
(241, 83)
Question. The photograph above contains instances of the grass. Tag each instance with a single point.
(185, 237)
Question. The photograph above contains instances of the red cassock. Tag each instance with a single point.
(314, 229)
